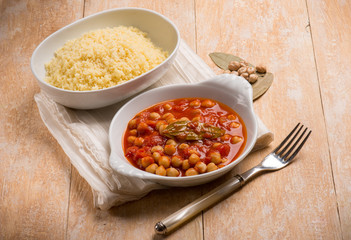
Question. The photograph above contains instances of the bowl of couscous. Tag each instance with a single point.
(106, 57)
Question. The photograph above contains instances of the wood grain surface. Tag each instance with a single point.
(305, 43)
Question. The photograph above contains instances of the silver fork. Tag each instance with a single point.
(279, 158)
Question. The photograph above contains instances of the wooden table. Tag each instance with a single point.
(305, 43)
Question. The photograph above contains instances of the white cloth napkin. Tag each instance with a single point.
(83, 135)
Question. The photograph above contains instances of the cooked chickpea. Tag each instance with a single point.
(216, 145)
(161, 171)
(172, 172)
(154, 116)
(234, 66)
(185, 165)
(231, 117)
(191, 172)
(211, 167)
(171, 120)
(164, 161)
(183, 146)
(197, 119)
(133, 124)
(162, 128)
(251, 70)
(193, 151)
(139, 141)
(193, 159)
(159, 123)
(234, 125)
(157, 148)
(207, 103)
(151, 168)
(156, 156)
(171, 142)
(235, 139)
(261, 68)
(184, 119)
(167, 115)
(195, 103)
(176, 161)
(200, 167)
(242, 70)
(253, 78)
(170, 149)
(131, 139)
(146, 161)
(225, 137)
(167, 106)
(216, 157)
(142, 127)
(133, 132)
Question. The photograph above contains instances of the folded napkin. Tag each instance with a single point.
(83, 135)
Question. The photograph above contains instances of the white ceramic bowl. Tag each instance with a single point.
(162, 32)
(231, 90)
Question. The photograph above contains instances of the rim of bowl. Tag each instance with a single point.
(153, 177)
(96, 14)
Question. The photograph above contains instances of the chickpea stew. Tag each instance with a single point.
(184, 137)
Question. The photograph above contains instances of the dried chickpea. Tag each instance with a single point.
(207, 103)
(167, 106)
(193, 159)
(161, 171)
(200, 167)
(164, 161)
(131, 139)
(251, 70)
(159, 123)
(133, 132)
(231, 117)
(235, 73)
(146, 161)
(253, 78)
(133, 124)
(191, 172)
(242, 70)
(139, 141)
(211, 167)
(216, 157)
(234, 66)
(185, 165)
(261, 68)
(226, 71)
(234, 125)
(235, 140)
(170, 149)
(176, 161)
(245, 75)
(195, 103)
(151, 168)
(243, 63)
(183, 146)
(157, 148)
(172, 172)
(156, 156)
(154, 116)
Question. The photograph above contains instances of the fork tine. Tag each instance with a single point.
(292, 148)
(286, 139)
(299, 147)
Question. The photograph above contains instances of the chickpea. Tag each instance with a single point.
(216, 157)
(164, 161)
(185, 165)
(207, 103)
(167, 116)
(171, 142)
(139, 141)
(172, 172)
(154, 116)
(156, 156)
(226, 71)
(234, 125)
(146, 161)
(184, 119)
(161, 171)
(245, 75)
(159, 123)
(194, 151)
(261, 68)
(170, 149)
(211, 167)
(195, 103)
(235, 140)
(251, 70)
(171, 120)
(191, 172)
(197, 119)
(216, 145)
(167, 106)
(151, 168)
(235, 73)
(176, 161)
(157, 148)
(183, 146)
(225, 137)
(133, 124)
(133, 132)
(142, 127)
(242, 70)
(231, 117)
(131, 139)
(243, 63)
(253, 78)
(200, 167)
(162, 128)
(234, 66)
(193, 159)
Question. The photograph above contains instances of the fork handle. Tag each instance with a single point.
(181, 216)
